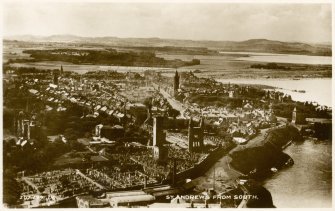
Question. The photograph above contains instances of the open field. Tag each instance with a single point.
(215, 66)
(228, 66)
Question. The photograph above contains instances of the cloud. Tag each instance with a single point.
(198, 21)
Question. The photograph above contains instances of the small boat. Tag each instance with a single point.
(290, 162)
(273, 169)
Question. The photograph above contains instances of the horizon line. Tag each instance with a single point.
(196, 40)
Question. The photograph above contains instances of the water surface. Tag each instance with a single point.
(316, 89)
(283, 58)
(308, 183)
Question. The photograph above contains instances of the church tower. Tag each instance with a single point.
(160, 152)
(294, 115)
(176, 83)
(195, 136)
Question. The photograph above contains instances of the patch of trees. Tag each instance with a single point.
(304, 110)
(323, 131)
(268, 154)
(273, 66)
(33, 158)
(260, 158)
(107, 57)
(281, 136)
(194, 62)
(197, 71)
(11, 188)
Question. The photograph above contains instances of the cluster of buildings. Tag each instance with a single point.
(136, 173)
(25, 129)
(240, 122)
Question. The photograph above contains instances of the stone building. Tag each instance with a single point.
(195, 136)
(294, 115)
(160, 152)
(176, 83)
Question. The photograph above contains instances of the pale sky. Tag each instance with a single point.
(197, 21)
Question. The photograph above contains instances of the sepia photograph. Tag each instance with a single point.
(158, 104)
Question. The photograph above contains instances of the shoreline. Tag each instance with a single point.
(265, 174)
(282, 181)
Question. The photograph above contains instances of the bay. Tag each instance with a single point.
(317, 90)
(308, 183)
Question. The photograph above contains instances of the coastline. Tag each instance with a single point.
(227, 177)
(263, 174)
(313, 157)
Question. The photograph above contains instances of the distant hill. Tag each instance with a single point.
(252, 45)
